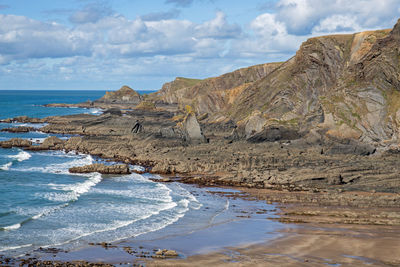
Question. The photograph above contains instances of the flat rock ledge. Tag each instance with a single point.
(101, 168)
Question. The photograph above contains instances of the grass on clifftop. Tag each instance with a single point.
(188, 82)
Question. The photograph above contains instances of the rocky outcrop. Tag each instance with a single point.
(23, 119)
(192, 131)
(20, 129)
(15, 142)
(122, 96)
(52, 142)
(101, 168)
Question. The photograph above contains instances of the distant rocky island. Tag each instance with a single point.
(317, 129)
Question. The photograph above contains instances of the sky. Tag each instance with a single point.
(104, 44)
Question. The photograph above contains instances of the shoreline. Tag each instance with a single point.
(314, 201)
(294, 244)
(177, 237)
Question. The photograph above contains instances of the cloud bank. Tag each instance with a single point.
(101, 45)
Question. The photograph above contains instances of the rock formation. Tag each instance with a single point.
(191, 130)
(125, 95)
(338, 87)
(101, 168)
(15, 142)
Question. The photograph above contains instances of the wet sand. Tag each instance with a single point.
(310, 245)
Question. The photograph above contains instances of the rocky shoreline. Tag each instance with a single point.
(151, 139)
(310, 183)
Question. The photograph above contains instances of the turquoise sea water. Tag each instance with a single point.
(43, 205)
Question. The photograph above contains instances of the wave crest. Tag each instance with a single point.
(21, 156)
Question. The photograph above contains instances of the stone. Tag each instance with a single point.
(192, 129)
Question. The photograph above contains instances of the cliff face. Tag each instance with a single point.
(213, 94)
(339, 86)
(125, 95)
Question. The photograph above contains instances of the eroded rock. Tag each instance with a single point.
(101, 168)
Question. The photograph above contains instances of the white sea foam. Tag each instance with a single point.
(194, 203)
(62, 168)
(14, 248)
(184, 203)
(6, 166)
(48, 211)
(33, 125)
(95, 111)
(138, 168)
(81, 188)
(21, 156)
(115, 225)
(12, 227)
(71, 192)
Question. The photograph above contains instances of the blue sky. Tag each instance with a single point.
(88, 44)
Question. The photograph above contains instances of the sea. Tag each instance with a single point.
(42, 205)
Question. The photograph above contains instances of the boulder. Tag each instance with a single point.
(192, 130)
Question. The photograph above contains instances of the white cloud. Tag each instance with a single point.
(337, 23)
(22, 38)
(302, 16)
(218, 28)
(104, 46)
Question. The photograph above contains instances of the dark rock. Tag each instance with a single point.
(352, 147)
(137, 128)
(274, 133)
(113, 111)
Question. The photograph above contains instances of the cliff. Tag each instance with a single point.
(338, 86)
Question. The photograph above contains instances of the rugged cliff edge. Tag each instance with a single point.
(339, 87)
